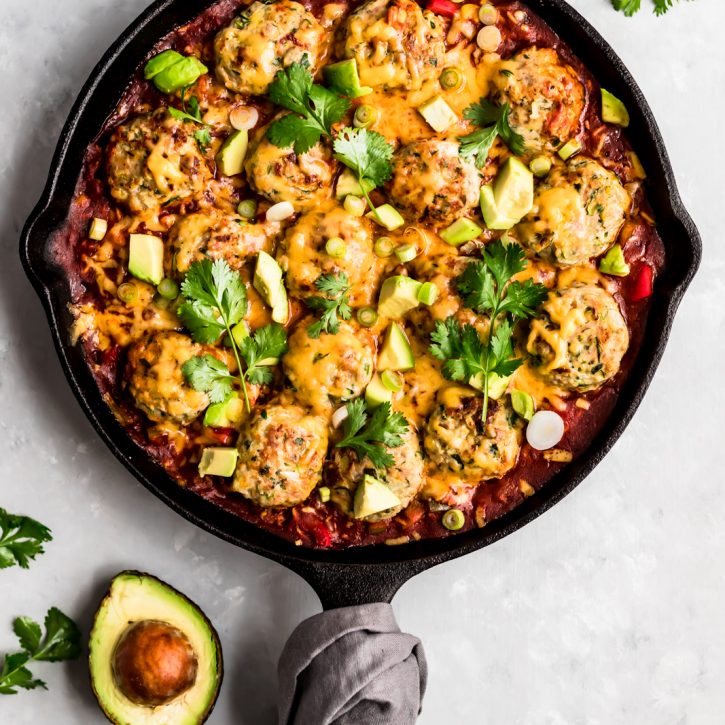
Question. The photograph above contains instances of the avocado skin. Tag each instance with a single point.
(188, 602)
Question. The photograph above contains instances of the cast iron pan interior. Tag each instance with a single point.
(366, 574)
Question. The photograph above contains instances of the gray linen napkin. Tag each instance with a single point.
(351, 666)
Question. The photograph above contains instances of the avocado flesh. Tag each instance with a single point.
(348, 184)
(396, 353)
(511, 196)
(376, 393)
(146, 258)
(373, 496)
(398, 295)
(344, 78)
(226, 414)
(218, 461)
(439, 115)
(133, 597)
(613, 110)
(387, 216)
(230, 158)
(268, 279)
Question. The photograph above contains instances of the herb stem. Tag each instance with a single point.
(235, 350)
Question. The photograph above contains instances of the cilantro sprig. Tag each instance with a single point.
(630, 7)
(191, 112)
(493, 121)
(370, 435)
(21, 539)
(61, 641)
(367, 154)
(314, 109)
(334, 306)
(487, 288)
(215, 301)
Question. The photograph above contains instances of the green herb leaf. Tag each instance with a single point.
(369, 436)
(209, 375)
(494, 121)
(335, 306)
(367, 153)
(203, 138)
(317, 109)
(267, 342)
(21, 539)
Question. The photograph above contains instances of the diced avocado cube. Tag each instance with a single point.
(613, 110)
(268, 279)
(376, 393)
(398, 295)
(179, 75)
(230, 158)
(348, 184)
(523, 404)
(570, 148)
(343, 78)
(511, 196)
(439, 115)
(387, 216)
(396, 352)
(226, 414)
(280, 306)
(373, 496)
(496, 384)
(461, 231)
(613, 262)
(146, 258)
(218, 462)
(161, 62)
(240, 332)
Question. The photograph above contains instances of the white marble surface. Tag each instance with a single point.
(607, 610)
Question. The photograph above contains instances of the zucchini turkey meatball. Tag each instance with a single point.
(546, 98)
(199, 236)
(404, 477)
(330, 369)
(302, 255)
(156, 382)
(457, 441)
(577, 214)
(153, 160)
(580, 339)
(279, 174)
(395, 43)
(264, 39)
(432, 183)
(281, 452)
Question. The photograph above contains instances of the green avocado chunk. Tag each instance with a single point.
(218, 461)
(496, 384)
(154, 657)
(230, 158)
(348, 184)
(376, 393)
(387, 216)
(461, 231)
(343, 78)
(398, 295)
(613, 110)
(146, 258)
(613, 262)
(267, 278)
(511, 196)
(226, 414)
(161, 62)
(396, 353)
(373, 496)
(178, 75)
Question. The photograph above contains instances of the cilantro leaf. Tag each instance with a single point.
(209, 375)
(61, 641)
(203, 138)
(370, 436)
(493, 121)
(367, 153)
(21, 539)
(334, 306)
(267, 343)
(317, 109)
(628, 7)
(190, 111)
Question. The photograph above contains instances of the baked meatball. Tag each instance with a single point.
(396, 44)
(264, 39)
(279, 174)
(153, 160)
(302, 255)
(404, 478)
(156, 382)
(457, 441)
(432, 183)
(577, 214)
(580, 339)
(332, 368)
(281, 452)
(546, 97)
(199, 236)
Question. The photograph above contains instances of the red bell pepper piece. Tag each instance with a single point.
(643, 283)
(223, 436)
(443, 7)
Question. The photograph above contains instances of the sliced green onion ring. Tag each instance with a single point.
(428, 293)
(384, 247)
(406, 252)
(355, 205)
(247, 209)
(451, 79)
(324, 493)
(365, 116)
(336, 247)
(453, 519)
(127, 292)
(168, 289)
(540, 166)
(392, 380)
(367, 316)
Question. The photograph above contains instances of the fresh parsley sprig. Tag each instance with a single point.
(367, 154)
(191, 112)
(21, 539)
(630, 7)
(314, 109)
(370, 435)
(334, 306)
(493, 121)
(487, 288)
(61, 641)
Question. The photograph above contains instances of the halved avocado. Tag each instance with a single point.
(154, 657)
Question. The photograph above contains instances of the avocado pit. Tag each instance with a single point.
(153, 663)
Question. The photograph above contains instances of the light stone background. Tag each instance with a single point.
(607, 610)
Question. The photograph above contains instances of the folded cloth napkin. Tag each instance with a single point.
(351, 666)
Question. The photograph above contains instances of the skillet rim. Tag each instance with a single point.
(322, 566)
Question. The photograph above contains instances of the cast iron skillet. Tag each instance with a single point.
(365, 574)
